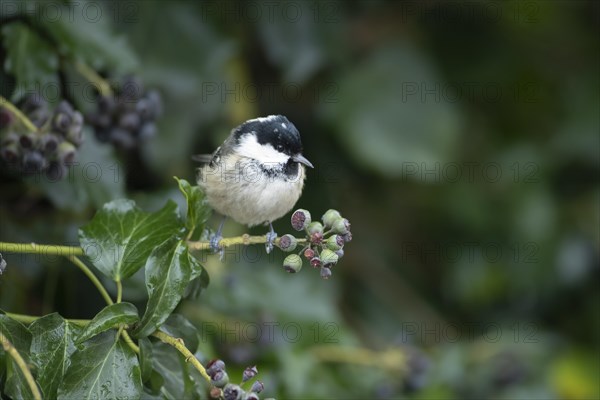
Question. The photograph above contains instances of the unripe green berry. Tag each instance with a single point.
(328, 258)
(335, 242)
(330, 217)
(288, 243)
(220, 378)
(66, 152)
(341, 226)
(315, 227)
(292, 263)
(300, 219)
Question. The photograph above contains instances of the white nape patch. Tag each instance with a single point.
(268, 118)
(284, 126)
(263, 153)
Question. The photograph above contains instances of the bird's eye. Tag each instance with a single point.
(280, 147)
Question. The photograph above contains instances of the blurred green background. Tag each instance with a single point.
(461, 140)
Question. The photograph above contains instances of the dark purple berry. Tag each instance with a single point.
(147, 130)
(325, 272)
(122, 138)
(49, 143)
(251, 396)
(257, 387)
(347, 237)
(33, 161)
(10, 153)
(130, 121)
(340, 253)
(64, 107)
(6, 118)
(56, 171)
(232, 392)
(215, 365)
(27, 140)
(249, 373)
(61, 122)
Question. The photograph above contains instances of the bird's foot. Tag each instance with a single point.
(271, 236)
(214, 240)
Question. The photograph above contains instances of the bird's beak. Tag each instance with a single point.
(302, 160)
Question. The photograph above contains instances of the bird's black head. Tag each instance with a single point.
(274, 130)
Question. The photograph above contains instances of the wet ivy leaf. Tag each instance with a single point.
(51, 347)
(120, 237)
(109, 317)
(168, 271)
(198, 210)
(145, 357)
(104, 368)
(29, 59)
(178, 326)
(174, 370)
(20, 338)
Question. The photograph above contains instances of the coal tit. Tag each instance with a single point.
(256, 176)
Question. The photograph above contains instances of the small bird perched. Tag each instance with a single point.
(256, 175)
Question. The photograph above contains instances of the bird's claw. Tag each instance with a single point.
(214, 245)
(271, 236)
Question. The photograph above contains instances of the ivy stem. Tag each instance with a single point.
(130, 342)
(44, 249)
(84, 268)
(88, 73)
(119, 291)
(20, 116)
(245, 240)
(180, 346)
(10, 349)
(392, 359)
(28, 319)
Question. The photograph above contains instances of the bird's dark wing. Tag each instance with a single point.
(208, 158)
(202, 158)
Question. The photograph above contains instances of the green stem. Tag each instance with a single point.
(20, 116)
(119, 291)
(245, 240)
(88, 73)
(10, 349)
(28, 319)
(45, 249)
(130, 342)
(92, 277)
(180, 346)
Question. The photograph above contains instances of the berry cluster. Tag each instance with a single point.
(51, 148)
(228, 391)
(321, 251)
(128, 116)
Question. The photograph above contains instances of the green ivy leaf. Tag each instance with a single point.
(104, 368)
(168, 271)
(120, 237)
(174, 370)
(51, 347)
(109, 317)
(29, 59)
(198, 210)
(178, 326)
(145, 357)
(85, 33)
(18, 335)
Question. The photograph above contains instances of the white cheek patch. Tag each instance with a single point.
(263, 153)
